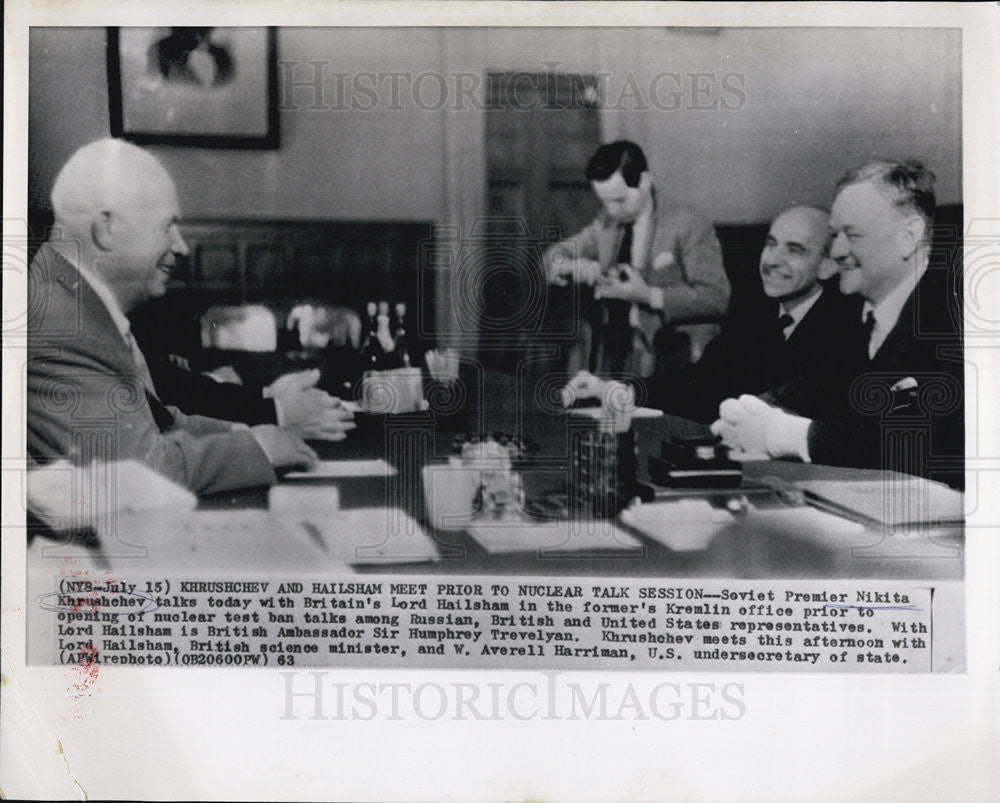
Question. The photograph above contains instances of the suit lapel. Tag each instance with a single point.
(642, 245)
(900, 337)
(100, 325)
(98, 320)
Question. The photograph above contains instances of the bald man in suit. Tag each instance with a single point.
(90, 395)
(767, 351)
(901, 407)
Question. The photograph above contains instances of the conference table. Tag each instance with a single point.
(377, 533)
(784, 535)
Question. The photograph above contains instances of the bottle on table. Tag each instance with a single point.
(372, 355)
(382, 331)
(401, 352)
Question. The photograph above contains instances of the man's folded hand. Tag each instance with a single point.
(624, 284)
(755, 427)
(582, 386)
(615, 397)
(314, 415)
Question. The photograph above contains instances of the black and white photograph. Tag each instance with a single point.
(485, 382)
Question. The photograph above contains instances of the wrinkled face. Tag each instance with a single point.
(794, 257)
(146, 241)
(622, 202)
(871, 244)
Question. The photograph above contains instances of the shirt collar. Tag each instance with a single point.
(888, 309)
(103, 292)
(801, 310)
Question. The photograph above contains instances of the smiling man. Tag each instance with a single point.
(89, 392)
(902, 409)
(772, 349)
(656, 270)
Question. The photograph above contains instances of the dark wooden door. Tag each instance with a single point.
(540, 131)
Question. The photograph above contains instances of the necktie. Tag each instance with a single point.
(784, 322)
(625, 249)
(161, 415)
(617, 334)
(141, 366)
(869, 327)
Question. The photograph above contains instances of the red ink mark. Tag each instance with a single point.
(87, 668)
(86, 671)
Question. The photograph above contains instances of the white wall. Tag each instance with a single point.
(817, 102)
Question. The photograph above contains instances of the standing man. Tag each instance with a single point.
(656, 271)
(903, 409)
(770, 350)
(90, 395)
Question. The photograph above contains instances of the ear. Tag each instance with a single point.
(102, 231)
(912, 235)
(827, 269)
(645, 182)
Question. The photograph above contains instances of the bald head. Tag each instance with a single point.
(108, 175)
(811, 221)
(796, 255)
(118, 207)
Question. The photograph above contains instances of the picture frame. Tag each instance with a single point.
(204, 87)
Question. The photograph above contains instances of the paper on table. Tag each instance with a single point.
(599, 412)
(893, 501)
(683, 526)
(363, 536)
(340, 469)
(548, 537)
(67, 497)
(255, 539)
(693, 524)
(205, 540)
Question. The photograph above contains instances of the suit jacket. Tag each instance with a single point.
(680, 254)
(86, 402)
(881, 424)
(198, 394)
(752, 356)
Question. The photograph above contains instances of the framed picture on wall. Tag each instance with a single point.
(210, 87)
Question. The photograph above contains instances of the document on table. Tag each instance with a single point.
(894, 501)
(372, 535)
(554, 537)
(598, 413)
(693, 524)
(682, 526)
(248, 540)
(343, 469)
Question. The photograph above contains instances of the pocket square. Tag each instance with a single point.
(663, 260)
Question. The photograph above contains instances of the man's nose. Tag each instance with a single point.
(771, 255)
(177, 244)
(838, 246)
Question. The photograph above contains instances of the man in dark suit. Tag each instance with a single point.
(771, 348)
(292, 402)
(90, 395)
(903, 408)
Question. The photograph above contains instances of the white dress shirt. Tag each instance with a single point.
(798, 312)
(887, 311)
